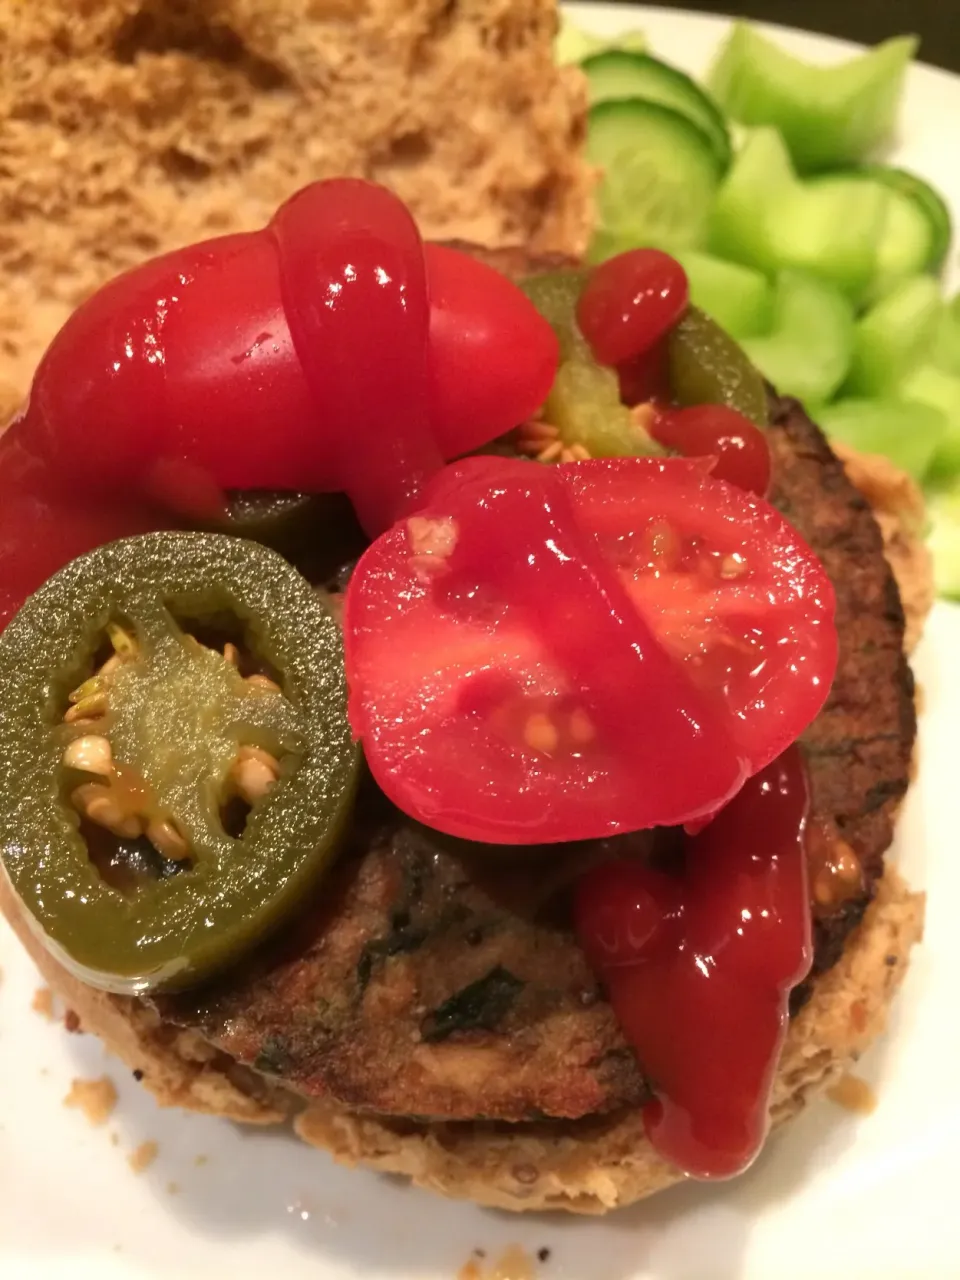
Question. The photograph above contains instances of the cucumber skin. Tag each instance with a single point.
(927, 199)
(680, 165)
(829, 116)
(620, 73)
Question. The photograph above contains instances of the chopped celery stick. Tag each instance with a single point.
(766, 217)
(573, 43)
(808, 349)
(943, 541)
(737, 297)
(941, 391)
(895, 337)
(829, 116)
(945, 354)
(908, 434)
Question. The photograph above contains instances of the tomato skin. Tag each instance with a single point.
(473, 631)
(630, 302)
(43, 527)
(740, 448)
(190, 360)
(493, 356)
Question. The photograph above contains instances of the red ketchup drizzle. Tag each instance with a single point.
(699, 967)
(354, 287)
(626, 310)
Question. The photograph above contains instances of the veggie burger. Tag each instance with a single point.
(451, 703)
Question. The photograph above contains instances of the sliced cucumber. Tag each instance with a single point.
(903, 239)
(618, 73)
(917, 228)
(895, 337)
(935, 389)
(829, 116)
(808, 350)
(765, 217)
(737, 297)
(660, 174)
(929, 202)
(944, 543)
(908, 434)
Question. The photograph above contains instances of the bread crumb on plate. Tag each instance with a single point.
(95, 1098)
(143, 1157)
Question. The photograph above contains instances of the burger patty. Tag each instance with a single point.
(438, 982)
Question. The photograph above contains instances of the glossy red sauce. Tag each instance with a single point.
(699, 967)
(738, 447)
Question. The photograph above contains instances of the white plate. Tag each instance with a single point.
(833, 1196)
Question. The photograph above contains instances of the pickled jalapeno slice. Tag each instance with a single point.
(708, 367)
(176, 769)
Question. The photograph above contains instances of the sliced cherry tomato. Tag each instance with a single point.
(546, 654)
(493, 355)
(42, 528)
(741, 449)
(630, 302)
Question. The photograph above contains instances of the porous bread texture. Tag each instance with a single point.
(129, 127)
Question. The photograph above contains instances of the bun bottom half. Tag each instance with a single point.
(589, 1166)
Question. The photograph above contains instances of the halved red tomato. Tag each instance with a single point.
(561, 653)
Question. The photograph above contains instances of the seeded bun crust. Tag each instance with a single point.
(589, 1166)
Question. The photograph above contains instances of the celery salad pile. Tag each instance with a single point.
(767, 182)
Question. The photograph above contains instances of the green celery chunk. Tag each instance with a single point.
(906, 433)
(573, 43)
(943, 540)
(945, 354)
(739, 298)
(941, 391)
(829, 116)
(765, 217)
(895, 337)
(808, 349)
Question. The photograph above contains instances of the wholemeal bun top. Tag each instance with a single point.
(135, 126)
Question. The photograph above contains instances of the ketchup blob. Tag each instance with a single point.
(699, 967)
(739, 447)
(630, 302)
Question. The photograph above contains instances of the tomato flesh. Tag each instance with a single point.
(740, 448)
(699, 966)
(547, 654)
(630, 302)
